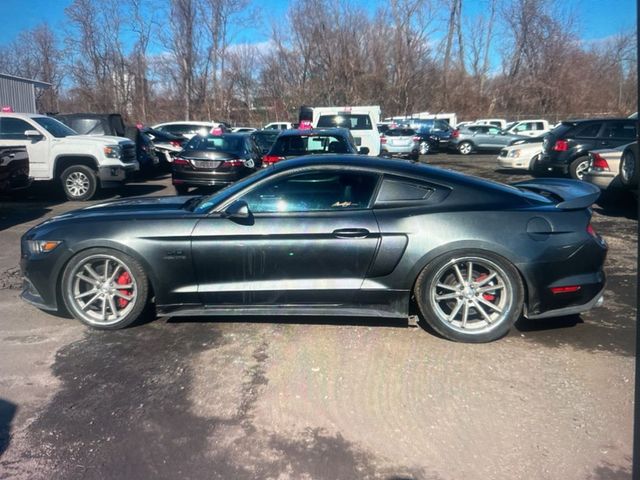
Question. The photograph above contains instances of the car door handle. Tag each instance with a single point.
(351, 233)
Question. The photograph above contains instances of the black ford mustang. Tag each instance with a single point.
(338, 235)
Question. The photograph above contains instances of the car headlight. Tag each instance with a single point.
(112, 151)
(42, 246)
(514, 153)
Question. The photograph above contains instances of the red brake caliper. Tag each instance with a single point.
(123, 279)
(487, 296)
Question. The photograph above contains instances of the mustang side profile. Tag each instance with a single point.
(329, 235)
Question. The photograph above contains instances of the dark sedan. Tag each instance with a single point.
(329, 235)
(215, 160)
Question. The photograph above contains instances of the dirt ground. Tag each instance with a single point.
(252, 398)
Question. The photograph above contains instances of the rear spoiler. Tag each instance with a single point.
(569, 194)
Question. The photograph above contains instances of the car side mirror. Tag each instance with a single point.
(33, 134)
(364, 150)
(238, 211)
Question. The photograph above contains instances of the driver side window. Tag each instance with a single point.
(317, 190)
(13, 128)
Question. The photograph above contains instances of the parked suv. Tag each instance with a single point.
(566, 147)
(482, 137)
(436, 128)
(81, 163)
(14, 169)
(400, 142)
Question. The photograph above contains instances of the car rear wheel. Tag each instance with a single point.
(104, 288)
(470, 296)
(465, 148)
(579, 167)
(425, 148)
(79, 182)
(628, 173)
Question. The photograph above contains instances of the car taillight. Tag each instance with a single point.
(416, 139)
(175, 143)
(271, 159)
(233, 163)
(383, 139)
(455, 133)
(598, 162)
(561, 146)
(180, 161)
(591, 231)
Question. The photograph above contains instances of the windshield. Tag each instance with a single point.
(400, 132)
(345, 120)
(265, 139)
(54, 127)
(296, 145)
(216, 143)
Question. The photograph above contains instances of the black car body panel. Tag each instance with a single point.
(360, 258)
(581, 136)
(14, 168)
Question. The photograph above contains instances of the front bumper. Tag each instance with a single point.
(117, 173)
(513, 162)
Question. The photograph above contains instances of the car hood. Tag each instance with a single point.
(134, 207)
(95, 139)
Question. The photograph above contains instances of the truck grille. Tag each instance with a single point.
(128, 153)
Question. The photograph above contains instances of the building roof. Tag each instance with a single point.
(37, 83)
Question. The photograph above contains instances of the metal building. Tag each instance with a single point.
(19, 93)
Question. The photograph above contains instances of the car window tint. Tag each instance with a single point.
(314, 191)
(182, 129)
(400, 132)
(346, 120)
(400, 190)
(294, 145)
(441, 125)
(493, 130)
(539, 126)
(216, 143)
(13, 128)
(87, 126)
(619, 130)
(589, 130)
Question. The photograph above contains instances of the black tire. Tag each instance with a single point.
(79, 182)
(628, 169)
(439, 279)
(424, 148)
(465, 148)
(533, 164)
(579, 167)
(98, 297)
(415, 156)
(181, 189)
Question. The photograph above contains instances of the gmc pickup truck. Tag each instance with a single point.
(82, 164)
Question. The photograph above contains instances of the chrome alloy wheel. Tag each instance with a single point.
(103, 290)
(627, 167)
(581, 169)
(471, 294)
(424, 148)
(77, 184)
(465, 148)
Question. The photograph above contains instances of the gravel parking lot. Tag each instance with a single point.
(316, 398)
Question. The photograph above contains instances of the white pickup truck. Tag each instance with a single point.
(81, 163)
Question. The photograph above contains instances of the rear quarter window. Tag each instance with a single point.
(589, 130)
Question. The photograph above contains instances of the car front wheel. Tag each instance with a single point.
(470, 296)
(465, 148)
(425, 148)
(79, 182)
(104, 288)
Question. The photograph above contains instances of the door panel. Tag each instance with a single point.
(12, 133)
(309, 258)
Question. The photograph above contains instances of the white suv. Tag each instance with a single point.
(81, 163)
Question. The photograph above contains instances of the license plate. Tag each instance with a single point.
(205, 163)
(400, 143)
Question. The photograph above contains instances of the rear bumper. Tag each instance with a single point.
(602, 180)
(205, 179)
(546, 162)
(399, 151)
(596, 301)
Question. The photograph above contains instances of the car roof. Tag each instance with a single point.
(315, 131)
(399, 167)
(23, 115)
(187, 122)
(602, 119)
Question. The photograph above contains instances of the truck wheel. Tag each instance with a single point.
(79, 182)
(579, 167)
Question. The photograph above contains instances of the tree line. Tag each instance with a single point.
(155, 60)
